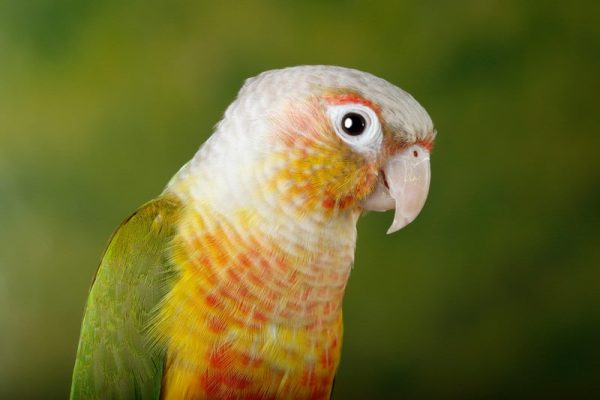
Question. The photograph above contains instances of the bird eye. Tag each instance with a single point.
(357, 125)
(353, 124)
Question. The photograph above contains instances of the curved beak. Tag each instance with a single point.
(403, 185)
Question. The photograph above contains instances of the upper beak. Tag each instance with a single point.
(403, 184)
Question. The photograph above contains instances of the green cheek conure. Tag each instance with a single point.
(229, 285)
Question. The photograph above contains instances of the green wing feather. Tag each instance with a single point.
(115, 358)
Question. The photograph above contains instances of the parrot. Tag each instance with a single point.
(229, 284)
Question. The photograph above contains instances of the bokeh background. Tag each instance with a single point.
(494, 292)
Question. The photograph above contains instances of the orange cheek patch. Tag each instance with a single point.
(317, 172)
(328, 202)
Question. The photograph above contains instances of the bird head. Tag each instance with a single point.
(322, 142)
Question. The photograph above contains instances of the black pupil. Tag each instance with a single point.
(353, 124)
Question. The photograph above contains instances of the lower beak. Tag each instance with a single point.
(403, 185)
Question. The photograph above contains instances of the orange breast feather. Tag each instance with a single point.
(247, 320)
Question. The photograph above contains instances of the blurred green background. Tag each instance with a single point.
(494, 292)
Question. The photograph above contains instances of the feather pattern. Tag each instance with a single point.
(115, 358)
(230, 285)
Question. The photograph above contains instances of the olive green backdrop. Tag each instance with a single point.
(494, 291)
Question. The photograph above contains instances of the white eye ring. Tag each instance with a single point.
(371, 137)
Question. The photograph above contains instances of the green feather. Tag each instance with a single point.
(116, 358)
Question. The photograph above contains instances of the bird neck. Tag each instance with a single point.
(264, 261)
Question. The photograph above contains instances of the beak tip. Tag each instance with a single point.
(398, 224)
